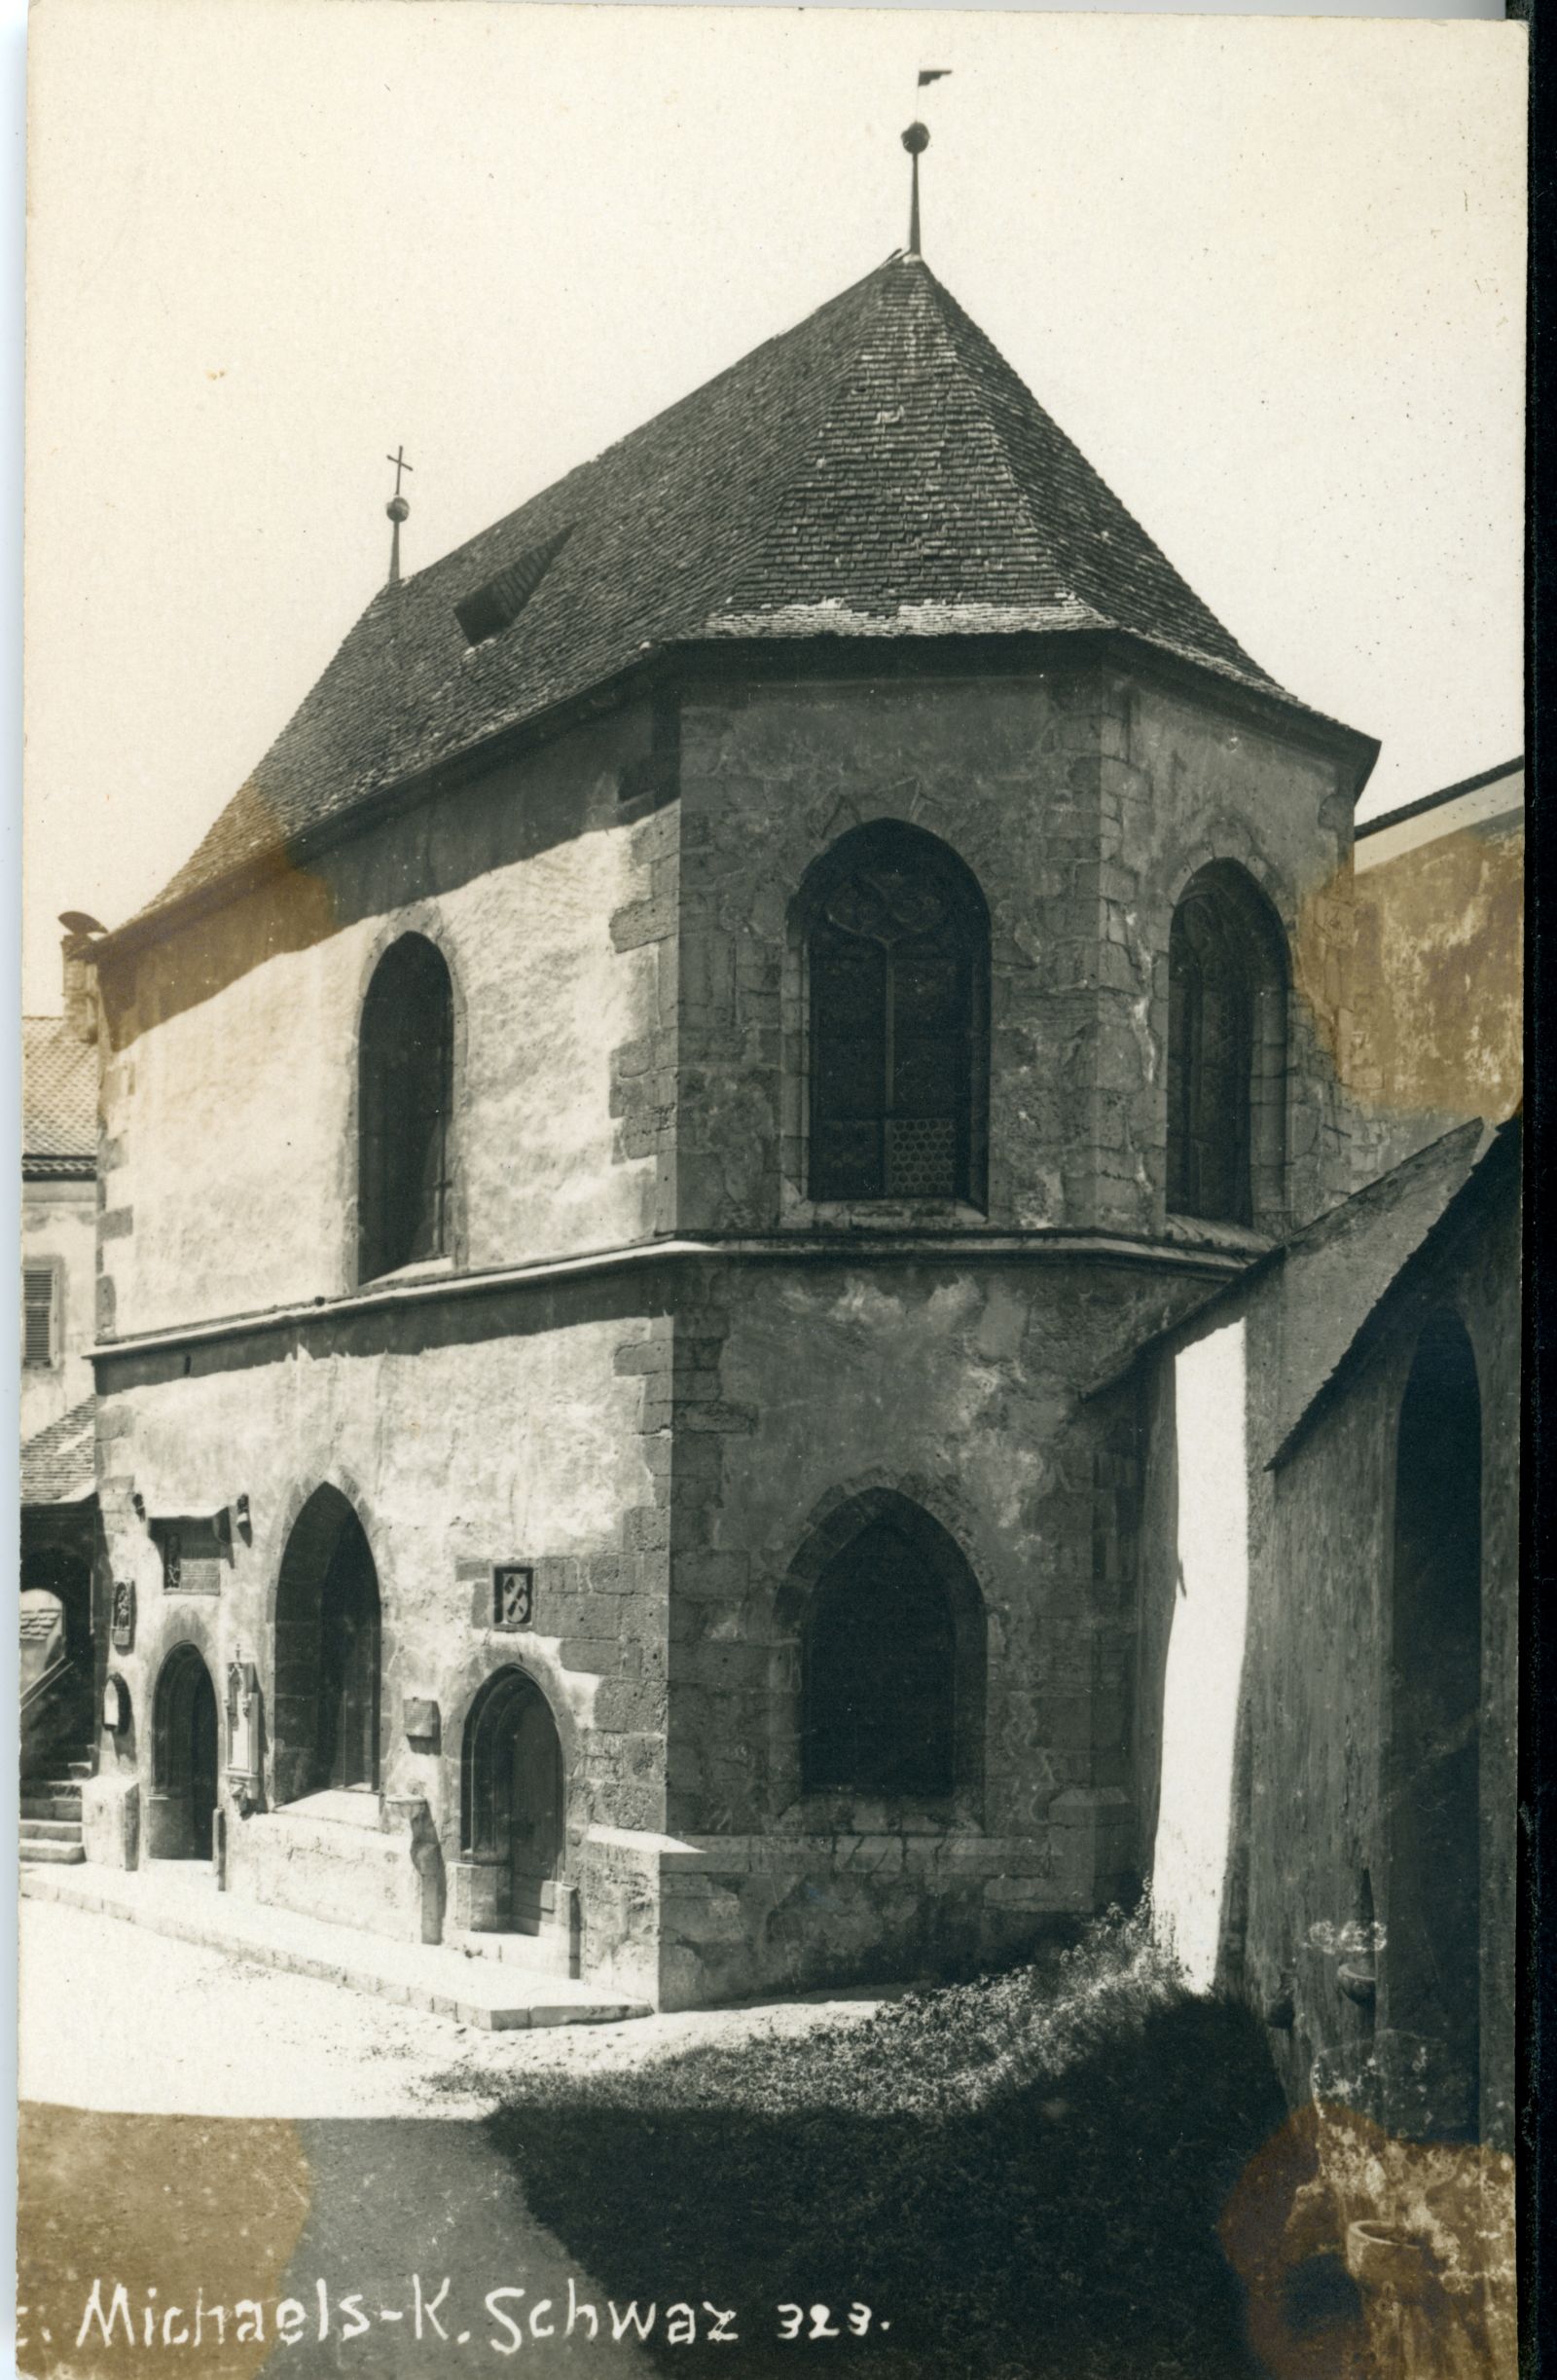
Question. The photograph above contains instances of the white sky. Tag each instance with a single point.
(1268, 274)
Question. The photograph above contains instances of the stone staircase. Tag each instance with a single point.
(51, 1817)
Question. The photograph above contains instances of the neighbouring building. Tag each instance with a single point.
(61, 1537)
(1438, 1024)
(652, 1160)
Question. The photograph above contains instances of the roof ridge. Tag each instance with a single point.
(705, 389)
(950, 316)
(812, 434)
(1090, 485)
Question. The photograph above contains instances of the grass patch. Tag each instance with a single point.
(1022, 2175)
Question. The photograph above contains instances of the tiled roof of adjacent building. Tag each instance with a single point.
(57, 1465)
(1494, 1170)
(58, 1100)
(879, 471)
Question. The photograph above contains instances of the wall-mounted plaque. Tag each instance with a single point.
(195, 1551)
(122, 1624)
(422, 1723)
(513, 1596)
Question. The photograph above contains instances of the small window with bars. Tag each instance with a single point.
(40, 1292)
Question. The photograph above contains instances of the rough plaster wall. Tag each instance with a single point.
(1083, 802)
(523, 1445)
(231, 1086)
(1316, 1704)
(1439, 989)
(1316, 1670)
(59, 1222)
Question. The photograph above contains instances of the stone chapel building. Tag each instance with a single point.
(643, 1157)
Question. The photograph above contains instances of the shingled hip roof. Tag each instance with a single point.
(879, 471)
(58, 1099)
(58, 1466)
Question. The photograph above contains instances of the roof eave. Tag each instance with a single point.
(785, 654)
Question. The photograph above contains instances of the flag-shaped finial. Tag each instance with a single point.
(916, 140)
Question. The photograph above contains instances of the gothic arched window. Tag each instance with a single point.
(897, 942)
(1226, 1051)
(405, 1094)
(891, 1658)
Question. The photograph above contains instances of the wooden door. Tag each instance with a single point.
(534, 1815)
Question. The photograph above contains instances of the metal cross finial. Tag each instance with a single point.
(398, 510)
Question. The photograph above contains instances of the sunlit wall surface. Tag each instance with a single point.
(1205, 1650)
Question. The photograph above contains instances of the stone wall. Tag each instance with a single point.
(230, 1088)
(807, 1396)
(1082, 801)
(512, 1429)
(664, 1441)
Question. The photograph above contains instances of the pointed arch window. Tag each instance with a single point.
(883, 1654)
(1226, 1051)
(880, 1670)
(404, 1098)
(896, 936)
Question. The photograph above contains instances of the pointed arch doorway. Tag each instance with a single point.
(328, 1654)
(514, 1805)
(184, 1745)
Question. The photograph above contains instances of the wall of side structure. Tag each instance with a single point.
(1265, 1693)
(1322, 1708)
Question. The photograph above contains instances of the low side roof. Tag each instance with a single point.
(1332, 1271)
(1496, 1167)
(880, 471)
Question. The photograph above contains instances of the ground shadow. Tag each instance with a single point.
(1068, 2228)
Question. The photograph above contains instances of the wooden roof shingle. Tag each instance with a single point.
(879, 471)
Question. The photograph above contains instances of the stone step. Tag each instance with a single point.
(50, 1830)
(180, 1898)
(51, 1854)
(541, 1954)
(63, 1801)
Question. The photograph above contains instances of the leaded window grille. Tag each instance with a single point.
(898, 957)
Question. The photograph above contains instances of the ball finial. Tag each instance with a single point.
(398, 509)
(916, 139)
